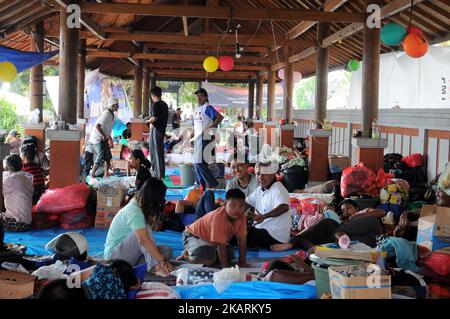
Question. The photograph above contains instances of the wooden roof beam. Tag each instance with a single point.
(206, 39)
(39, 16)
(199, 66)
(86, 21)
(220, 12)
(199, 47)
(386, 11)
(185, 25)
(299, 29)
(217, 74)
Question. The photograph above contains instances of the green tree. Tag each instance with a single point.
(8, 117)
(304, 93)
(186, 93)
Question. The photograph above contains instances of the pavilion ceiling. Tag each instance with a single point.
(172, 37)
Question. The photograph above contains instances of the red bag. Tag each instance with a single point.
(438, 263)
(74, 217)
(44, 221)
(413, 160)
(310, 206)
(61, 200)
(358, 180)
(384, 179)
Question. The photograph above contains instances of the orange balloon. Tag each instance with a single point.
(415, 45)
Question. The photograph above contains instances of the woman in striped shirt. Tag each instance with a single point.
(28, 153)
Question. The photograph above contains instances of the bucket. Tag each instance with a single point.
(295, 178)
(321, 274)
(322, 279)
(187, 175)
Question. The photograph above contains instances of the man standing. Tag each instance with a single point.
(176, 119)
(101, 139)
(158, 124)
(205, 118)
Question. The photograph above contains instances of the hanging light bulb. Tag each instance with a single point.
(238, 49)
(340, 39)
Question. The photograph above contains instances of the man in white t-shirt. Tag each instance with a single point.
(271, 217)
(101, 139)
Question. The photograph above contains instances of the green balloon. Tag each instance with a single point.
(392, 34)
(353, 65)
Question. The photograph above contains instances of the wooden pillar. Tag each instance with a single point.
(289, 85)
(322, 64)
(38, 131)
(81, 77)
(318, 156)
(251, 97)
(137, 90)
(4, 151)
(370, 75)
(37, 72)
(146, 93)
(68, 59)
(152, 85)
(271, 96)
(259, 96)
(65, 147)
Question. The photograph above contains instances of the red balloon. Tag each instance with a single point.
(415, 30)
(226, 63)
(415, 45)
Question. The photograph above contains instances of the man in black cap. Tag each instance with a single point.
(206, 118)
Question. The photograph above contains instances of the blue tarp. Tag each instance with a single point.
(37, 239)
(249, 290)
(24, 60)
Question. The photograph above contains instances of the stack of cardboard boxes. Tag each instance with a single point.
(109, 202)
(434, 228)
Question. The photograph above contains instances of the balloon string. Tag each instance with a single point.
(411, 14)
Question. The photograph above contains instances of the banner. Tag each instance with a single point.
(409, 83)
(237, 97)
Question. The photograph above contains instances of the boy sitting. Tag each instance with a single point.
(209, 236)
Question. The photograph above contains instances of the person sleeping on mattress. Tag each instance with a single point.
(360, 225)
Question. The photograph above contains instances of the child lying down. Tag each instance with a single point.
(207, 239)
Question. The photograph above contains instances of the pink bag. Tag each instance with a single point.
(61, 200)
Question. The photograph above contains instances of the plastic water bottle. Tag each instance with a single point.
(375, 129)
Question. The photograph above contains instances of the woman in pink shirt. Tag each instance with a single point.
(18, 195)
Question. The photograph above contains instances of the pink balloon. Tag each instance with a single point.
(281, 74)
(226, 63)
(297, 76)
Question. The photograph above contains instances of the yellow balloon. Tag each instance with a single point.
(8, 72)
(211, 64)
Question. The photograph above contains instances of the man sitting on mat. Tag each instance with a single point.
(206, 240)
(270, 203)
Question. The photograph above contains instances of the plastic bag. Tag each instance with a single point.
(34, 117)
(60, 200)
(413, 160)
(358, 180)
(75, 219)
(194, 275)
(157, 290)
(310, 206)
(226, 276)
(52, 272)
(384, 179)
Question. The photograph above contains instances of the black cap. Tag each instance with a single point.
(201, 91)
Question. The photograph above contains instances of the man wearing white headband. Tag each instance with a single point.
(270, 203)
(101, 139)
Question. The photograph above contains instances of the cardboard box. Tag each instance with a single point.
(377, 286)
(104, 217)
(434, 227)
(338, 163)
(108, 197)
